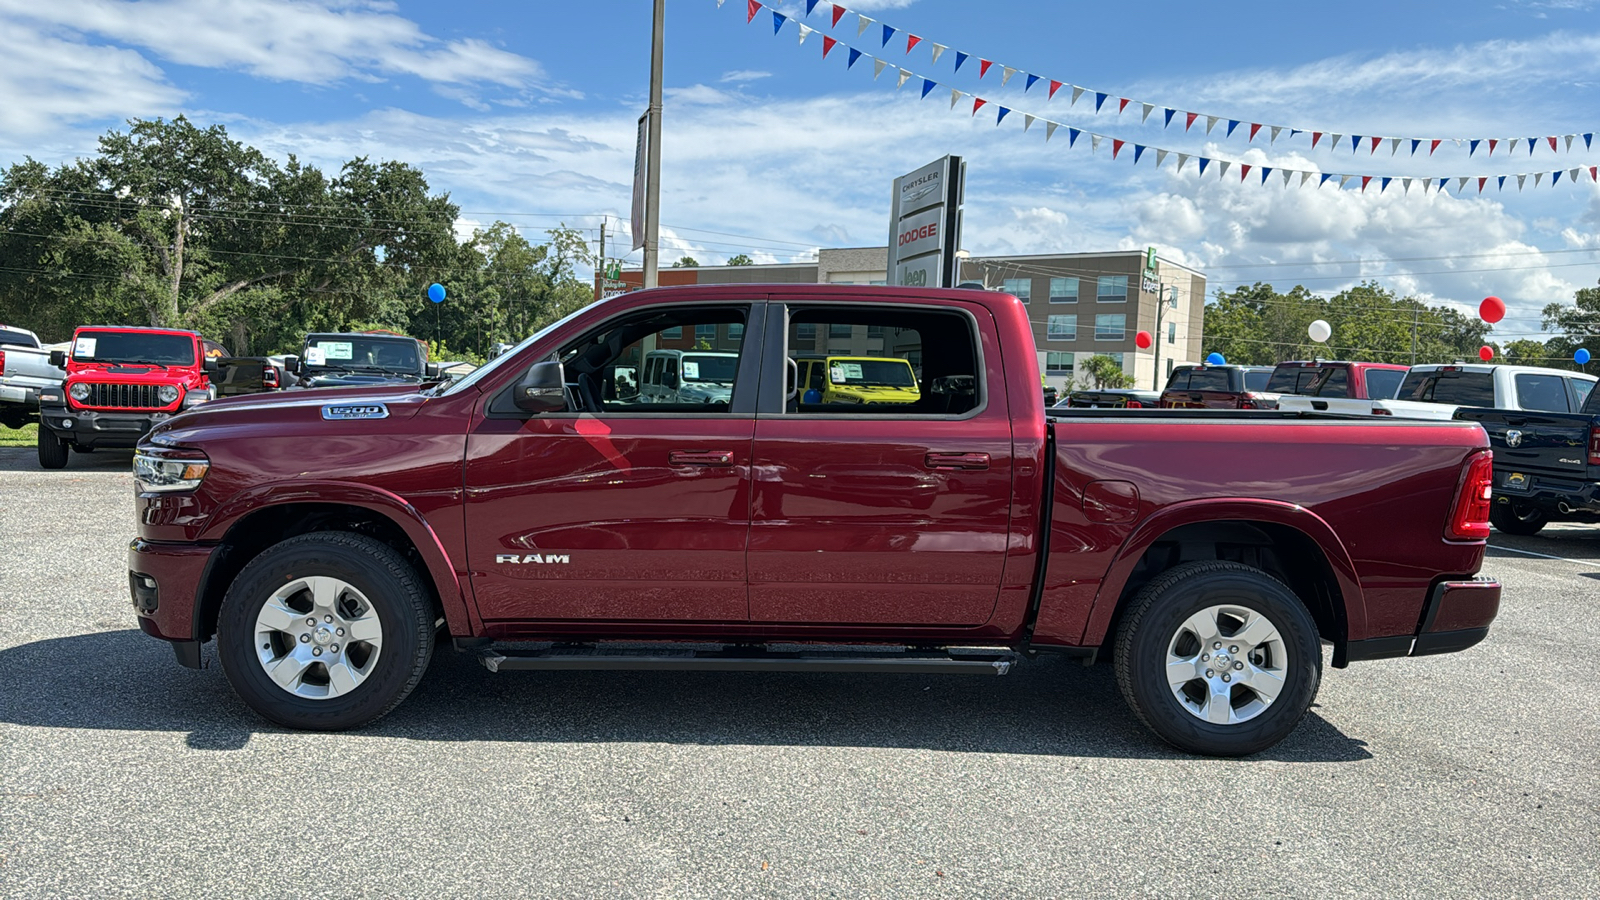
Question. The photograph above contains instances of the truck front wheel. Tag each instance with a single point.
(325, 631)
(1218, 658)
(52, 450)
(1513, 518)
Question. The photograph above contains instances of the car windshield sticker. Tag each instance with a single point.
(314, 356)
(356, 411)
(84, 347)
(852, 371)
(691, 370)
(836, 374)
(337, 349)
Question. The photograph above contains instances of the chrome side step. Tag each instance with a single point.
(745, 658)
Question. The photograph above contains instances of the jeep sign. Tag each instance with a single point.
(925, 224)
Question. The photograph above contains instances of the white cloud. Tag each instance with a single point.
(744, 75)
(49, 82)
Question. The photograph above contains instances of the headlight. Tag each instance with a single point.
(160, 473)
(79, 392)
(167, 393)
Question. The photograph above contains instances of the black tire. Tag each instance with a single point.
(1153, 622)
(52, 450)
(397, 595)
(1513, 518)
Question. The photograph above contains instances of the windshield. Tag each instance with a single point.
(20, 338)
(1457, 388)
(352, 352)
(876, 372)
(504, 358)
(134, 347)
(1256, 381)
(709, 367)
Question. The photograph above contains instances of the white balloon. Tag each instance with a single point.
(1320, 331)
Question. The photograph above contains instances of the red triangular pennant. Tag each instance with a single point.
(1480, 184)
(1253, 129)
(838, 13)
(1315, 136)
(1190, 120)
(911, 41)
(1243, 171)
(1122, 106)
(1594, 173)
(983, 66)
(977, 104)
(1434, 147)
(827, 45)
(754, 8)
(1054, 86)
(1552, 143)
(1364, 180)
(1375, 142)
(1116, 147)
(1492, 143)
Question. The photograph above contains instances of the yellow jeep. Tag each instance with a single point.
(857, 379)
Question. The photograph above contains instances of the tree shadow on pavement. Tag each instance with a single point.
(26, 459)
(123, 680)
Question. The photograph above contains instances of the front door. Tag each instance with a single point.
(618, 509)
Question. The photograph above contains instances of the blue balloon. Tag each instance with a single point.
(436, 292)
(1215, 359)
(1581, 357)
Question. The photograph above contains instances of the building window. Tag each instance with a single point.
(874, 331)
(707, 333)
(1112, 327)
(675, 333)
(1063, 290)
(736, 331)
(1112, 288)
(1062, 328)
(839, 331)
(1020, 288)
(806, 331)
(1058, 362)
(1172, 332)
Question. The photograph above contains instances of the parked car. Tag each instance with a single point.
(1111, 398)
(361, 360)
(120, 382)
(859, 379)
(1336, 379)
(1218, 387)
(1436, 391)
(327, 545)
(1546, 455)
(687, 376)
(24, 369)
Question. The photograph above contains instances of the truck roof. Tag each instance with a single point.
(1343, 362)
(1488, 368)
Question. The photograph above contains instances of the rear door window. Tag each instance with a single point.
(1543, 393)
(1336, 383)
(1179, 380)
(1256, 381)
(1209, 380)
(1580, 389)
(1458, 388)
(1383, 383)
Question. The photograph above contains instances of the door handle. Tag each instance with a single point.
(700, 457)
(957, 460)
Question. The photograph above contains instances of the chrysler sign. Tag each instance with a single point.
(925, 224)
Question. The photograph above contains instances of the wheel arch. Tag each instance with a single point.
(271, 515)
(1287, 541)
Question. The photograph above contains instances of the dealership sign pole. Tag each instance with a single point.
(925, 224)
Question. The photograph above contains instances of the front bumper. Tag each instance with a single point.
(165, 582)
(1457, 616)
(95, 428)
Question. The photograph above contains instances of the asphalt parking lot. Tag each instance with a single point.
(1475, 774)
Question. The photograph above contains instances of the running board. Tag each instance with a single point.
(770, 658)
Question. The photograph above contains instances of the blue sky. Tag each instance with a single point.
(525, 112)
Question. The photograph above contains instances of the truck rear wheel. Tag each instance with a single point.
(325, 631)
(1514, 518)
(52, 450)
(1218, 658)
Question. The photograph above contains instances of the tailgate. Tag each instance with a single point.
(1527, 443)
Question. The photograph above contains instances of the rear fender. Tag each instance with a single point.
(452, 596)
(1245, 510)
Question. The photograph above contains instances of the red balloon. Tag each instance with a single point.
(1142, 340)
(1492, 309)
(1486, 354)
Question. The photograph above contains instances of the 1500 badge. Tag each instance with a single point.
(356, 411)
(543, 558)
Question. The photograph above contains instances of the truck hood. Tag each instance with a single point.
(361, 379)
(280, 410)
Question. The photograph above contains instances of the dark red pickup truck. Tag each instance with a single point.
(544, 514)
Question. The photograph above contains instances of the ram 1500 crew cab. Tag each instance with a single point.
(330, 539)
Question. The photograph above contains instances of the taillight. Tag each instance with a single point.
(1469, 521)
(1247, 403)
(1380, 411)
(1594, 446)
(1134, 404)
(269, 376)
(2, 362)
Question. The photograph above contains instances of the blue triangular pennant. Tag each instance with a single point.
(960, 58)
(1531, 143)
(1072, 136)
(854, 55)
(1232, 124)
(810, 5)
(1385, 184)
(1355, 141)
(1138, 151)
(888, 32)
(1001, 117)
(1555, 179)
(928, 84)
(1031, 80)
(1099, 98)
(778, 19)
(1502, 182)
(1472, 146)
(1324, 179)
(1414, 145)
(1588, 138)
(1170, 113)
(1203, 163)
(1265, 171)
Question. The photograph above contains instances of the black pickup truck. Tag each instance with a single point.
(1546, 465)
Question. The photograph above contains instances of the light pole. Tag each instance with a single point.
(652, 176)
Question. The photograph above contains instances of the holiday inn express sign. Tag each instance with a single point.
(925, 224)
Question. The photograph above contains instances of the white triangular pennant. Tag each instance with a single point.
(719, 4)
(863, 25)
(1305, 177)
(1211, 122)
(1520, 180)
(804, 32)
(1005, 74)
(1343, 179)
(954, 96)
(1182, 158)
(877, 67)
(903, 76)
(1148, 109)
(1335, 142)
(1537, 177)
(1569, 142)
(1050, 129)
(1094, 141)
(1287, 173)
(1394, 146)
(1513, 147)
(1407, 183)
(1161, 157)
(1276, 130)
(1027, 121)
(1461, 185)
(938, 51)
(1572, 175)
(1223, 169)
(1427, 185)
(1076, 93)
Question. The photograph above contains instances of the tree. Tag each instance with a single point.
(1577, 326)
(1101, 371)
(740, 260)
(686, 262)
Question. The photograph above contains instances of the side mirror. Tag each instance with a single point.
(210, 365)
(542, 389)
(291, 364)
(431, 370)
(58, 358)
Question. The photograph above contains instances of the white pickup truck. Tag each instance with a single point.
(1437, 391)
(24, 369)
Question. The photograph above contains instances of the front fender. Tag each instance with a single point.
(1240, 510)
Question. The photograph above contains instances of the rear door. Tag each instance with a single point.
(894, 514)
(1215, 388)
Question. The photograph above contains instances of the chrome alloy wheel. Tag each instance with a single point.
(318, 637)
(1226, 664)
